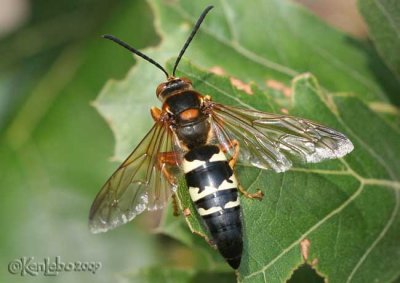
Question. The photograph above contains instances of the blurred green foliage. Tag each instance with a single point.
(55, 147)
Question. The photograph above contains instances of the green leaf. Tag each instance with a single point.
(383, 19)
(332, 204)
(347, 209)
(277, 39)
(161, 274)
(258, 44)
(54, 147)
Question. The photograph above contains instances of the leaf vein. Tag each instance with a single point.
(378, 239)
(387, 15)
(309, 231)
(229, 21)
(256, 58)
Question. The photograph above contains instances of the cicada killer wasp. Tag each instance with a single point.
(204, 140)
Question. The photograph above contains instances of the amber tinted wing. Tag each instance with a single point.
(138, 184)
(272, 141)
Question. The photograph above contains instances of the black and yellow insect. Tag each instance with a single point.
(205, 139)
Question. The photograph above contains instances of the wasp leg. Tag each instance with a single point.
(187, 212)
(175, 205)
(235, 155)
(212, 243)
(170, 158)
(232, 162)
(235, 145)
(156, 113)
(258, 195)
(164, 158)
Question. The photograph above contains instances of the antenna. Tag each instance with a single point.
(133, 50)
(196, 27)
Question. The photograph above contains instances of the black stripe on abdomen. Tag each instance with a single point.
(226, 230)
(219, 198)
(213, 189)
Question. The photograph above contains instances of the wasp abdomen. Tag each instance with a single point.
(213, 188)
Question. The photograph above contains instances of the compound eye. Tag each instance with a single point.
(160, 89)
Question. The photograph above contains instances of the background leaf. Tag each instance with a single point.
(263, 52)
(163, 274)
(383, 19)
(333, 204)
(54, 147)
(319, 202)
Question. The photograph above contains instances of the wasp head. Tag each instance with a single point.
(173, 85)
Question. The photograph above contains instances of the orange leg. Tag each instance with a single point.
(175, 205)
(258, 195)
(164, 158)
(235, 144)
(167, 158)
(156, 113)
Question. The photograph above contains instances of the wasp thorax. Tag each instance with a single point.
(171, 86)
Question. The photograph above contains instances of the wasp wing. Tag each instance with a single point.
(271, 141)
(138, 184)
